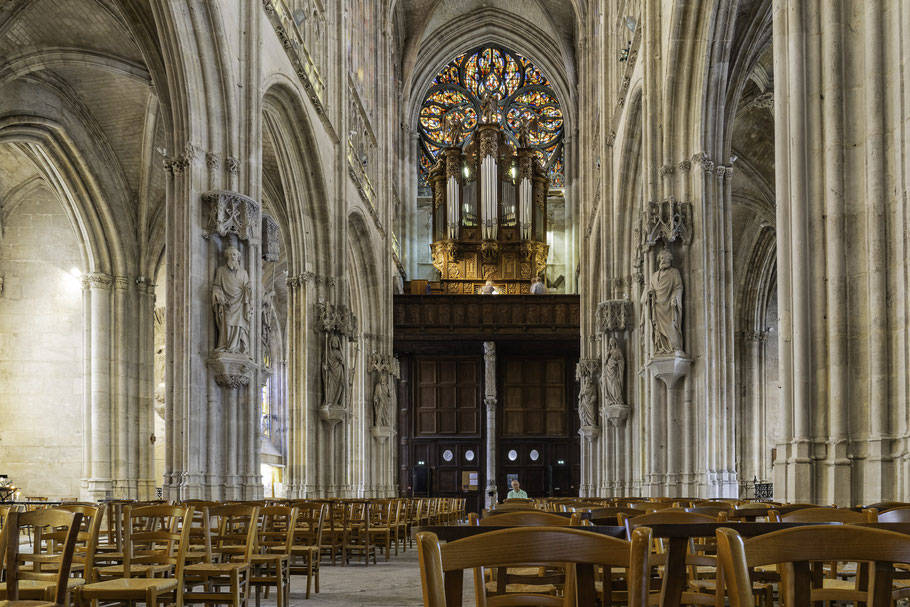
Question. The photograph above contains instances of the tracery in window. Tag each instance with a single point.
(521, 90)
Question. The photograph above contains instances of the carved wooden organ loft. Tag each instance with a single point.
(489, 214)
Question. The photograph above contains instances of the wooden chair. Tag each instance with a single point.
(442, 566)
(799, 547)
(527, 519)
(155, 536)
(901, 514)
(307, 542)
(54, 542)
(48, 568)
(232, 550)
(356, 532)
(383, 525)
(822, 515)
(272, 565)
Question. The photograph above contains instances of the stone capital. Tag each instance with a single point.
(97, 280)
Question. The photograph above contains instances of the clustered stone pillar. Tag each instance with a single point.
(338, 329)
(586, 372)
(489, 401)
(383, 403)
(842, 250)
(98, 323)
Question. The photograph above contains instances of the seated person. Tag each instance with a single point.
(517, 492)
(488, 288)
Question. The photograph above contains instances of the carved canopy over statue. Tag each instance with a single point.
(663, 301)
(232, 300)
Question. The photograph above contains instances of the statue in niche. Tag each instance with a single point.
(613, 373)
(333, 373)
(232, 297)
(382, 401)
(587, 400)
(663, 299)
(488, 113)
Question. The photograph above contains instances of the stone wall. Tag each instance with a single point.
(40, 349)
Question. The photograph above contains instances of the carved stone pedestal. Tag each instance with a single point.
(231, 370)
(381, 433)
(617, 414)
(669, 369)
(332, 415)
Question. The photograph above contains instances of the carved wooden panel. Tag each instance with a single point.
(534, 397)
(447, 395)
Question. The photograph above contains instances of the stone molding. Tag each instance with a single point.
(232, 213)
(305, 277)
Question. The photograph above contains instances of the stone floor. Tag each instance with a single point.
(396, 582)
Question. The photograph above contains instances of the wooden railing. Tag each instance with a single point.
(448, 315)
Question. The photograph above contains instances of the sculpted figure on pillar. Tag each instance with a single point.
(268, 323)
(663, 299)
(382, 401)
(613, 374)
(232, 299)
(333, 372)
(587, 401)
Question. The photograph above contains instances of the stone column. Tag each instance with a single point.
(98, 286)
(489, 401)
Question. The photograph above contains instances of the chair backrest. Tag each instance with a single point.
(888, 505)
(46, 566)
(277, 526)
(612, 511)
(442, 566)
(87, 540)
(528, 519)
(895, 515)
(662, 517)
(156, 535)
(237, 526)
(822, 515)
(518, 500)
(311, 519)
(813, 543)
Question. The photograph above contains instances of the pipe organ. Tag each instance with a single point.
(489, 215)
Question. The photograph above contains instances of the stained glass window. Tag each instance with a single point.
(521, 91)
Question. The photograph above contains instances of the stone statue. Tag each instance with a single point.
(663, 299)
(613, 374)
(333, 373)
(488, 113)
(587, 400)
(382, 401)
(232, 297)
(527, 126)
(267, 326)
(453, 127)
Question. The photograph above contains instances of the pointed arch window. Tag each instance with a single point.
(521, 90)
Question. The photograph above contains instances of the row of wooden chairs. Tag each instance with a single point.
(701, 589)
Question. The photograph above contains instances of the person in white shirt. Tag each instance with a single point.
(517, 492)
(488, 288)
(537, 286)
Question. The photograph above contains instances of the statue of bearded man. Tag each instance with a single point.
(232, 298)
(663, 299)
